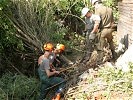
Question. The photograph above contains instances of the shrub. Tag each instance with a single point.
(18, 87)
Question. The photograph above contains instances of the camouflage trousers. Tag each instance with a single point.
(105, 38)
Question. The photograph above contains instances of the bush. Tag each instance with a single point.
(18, 87)
(118, 80)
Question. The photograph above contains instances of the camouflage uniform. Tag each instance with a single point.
(106, 28)
(89, 27)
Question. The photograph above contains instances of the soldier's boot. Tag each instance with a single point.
(58, 94)
(57, 97)
(100, 50)
(100, 57)
(114, 54)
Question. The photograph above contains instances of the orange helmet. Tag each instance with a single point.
(48, 46)
(60, 47)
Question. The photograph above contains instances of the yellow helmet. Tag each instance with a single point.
(60, 47)
(48, 46)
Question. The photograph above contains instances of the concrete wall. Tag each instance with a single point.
(125, 23)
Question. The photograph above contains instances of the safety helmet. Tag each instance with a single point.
(84, 11)
(94, 1)
(60, 47)
(48, 46)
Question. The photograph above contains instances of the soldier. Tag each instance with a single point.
(54, 56)
(107, 26)
(47, 76)
(91, 27)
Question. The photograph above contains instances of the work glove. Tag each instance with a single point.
(92, 36)
(84, 33)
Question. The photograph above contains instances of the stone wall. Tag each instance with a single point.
(125, 23)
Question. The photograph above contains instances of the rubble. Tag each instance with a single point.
(124, 60)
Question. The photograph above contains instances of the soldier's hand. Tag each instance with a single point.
(84, 33)
(92, 36)
(53, 69)
(56, 72)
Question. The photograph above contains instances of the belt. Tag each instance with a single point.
(106, 27)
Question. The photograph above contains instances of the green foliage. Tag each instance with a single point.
(44, 24)
(58, 36)
(114, 5)
(117, 79)
(109, 3)
(63, 5)
(110, 81)
(18, 87)
(7, 31)
(3, 3)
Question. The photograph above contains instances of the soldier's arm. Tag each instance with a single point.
(97, 20)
